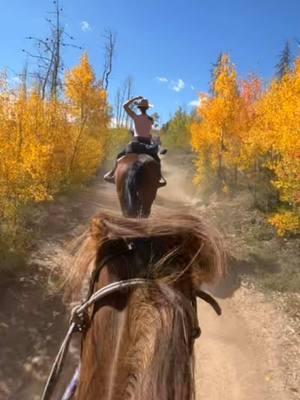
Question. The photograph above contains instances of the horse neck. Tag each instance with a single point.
(136, 348)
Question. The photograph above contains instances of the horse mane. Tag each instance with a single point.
(156, 350)
(162, 361)
(199, 246)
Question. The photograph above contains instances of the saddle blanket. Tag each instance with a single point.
(142, 148)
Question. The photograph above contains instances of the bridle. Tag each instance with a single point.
(77, 323)
(79, 319)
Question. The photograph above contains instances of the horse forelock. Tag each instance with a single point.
(150, 350)
(187, 238)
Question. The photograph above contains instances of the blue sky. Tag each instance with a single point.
(176, 40)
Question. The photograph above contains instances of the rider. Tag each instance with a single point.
(142, 131)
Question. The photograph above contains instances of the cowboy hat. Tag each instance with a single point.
(144, 103)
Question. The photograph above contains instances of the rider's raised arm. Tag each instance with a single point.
(127, 105)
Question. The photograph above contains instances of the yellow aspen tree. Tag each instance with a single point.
(58, 135)
(88, 112)
(23, 155)
(249, 161)
(215, 137)
(276, 133)
(46, 144)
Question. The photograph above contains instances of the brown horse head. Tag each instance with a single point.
(137, 177)
(139, 344)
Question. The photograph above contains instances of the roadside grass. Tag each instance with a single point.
(271, 262)
(287, 280)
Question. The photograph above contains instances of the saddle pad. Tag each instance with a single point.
(141, 148)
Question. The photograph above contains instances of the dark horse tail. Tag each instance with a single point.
(132, 205)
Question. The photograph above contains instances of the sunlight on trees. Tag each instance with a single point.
(246, 132)
(47, 144)
(175, 134)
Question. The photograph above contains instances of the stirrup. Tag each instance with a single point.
(162, 182)
(109, 178)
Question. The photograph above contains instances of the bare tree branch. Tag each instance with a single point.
(109, 52)
(49, 53)
(123, 93)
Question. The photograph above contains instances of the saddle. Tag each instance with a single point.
(142, 148)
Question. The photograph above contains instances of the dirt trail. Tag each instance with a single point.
(237, 358)
(241, 355)
(249, 352)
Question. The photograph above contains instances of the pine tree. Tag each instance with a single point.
(214, 72)
(285, 61)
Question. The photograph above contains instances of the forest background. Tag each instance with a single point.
(57, 128)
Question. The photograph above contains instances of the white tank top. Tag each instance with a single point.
(142, 126)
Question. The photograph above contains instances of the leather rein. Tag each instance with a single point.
(79, 320)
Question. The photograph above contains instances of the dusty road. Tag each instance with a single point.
(242, 355)
(249, 352)
(239, 356)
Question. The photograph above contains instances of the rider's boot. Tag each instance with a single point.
(110, 175)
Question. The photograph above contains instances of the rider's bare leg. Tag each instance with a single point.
(162, 182)
(109, 176)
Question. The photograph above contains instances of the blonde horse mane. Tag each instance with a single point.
(198, 246)
(155, 329)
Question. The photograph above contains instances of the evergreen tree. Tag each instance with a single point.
(214, 73)
(176, 132)
(285, 61)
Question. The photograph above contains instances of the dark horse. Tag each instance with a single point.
(139, 342)
(137, 180)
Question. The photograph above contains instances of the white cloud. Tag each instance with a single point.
(85, 26)
(178, 85)
(162, 79)
(192, 87)
(195, 103)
